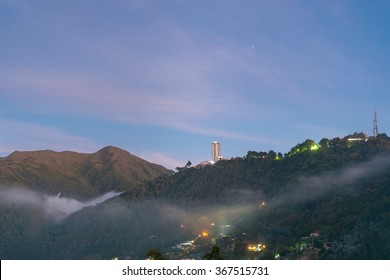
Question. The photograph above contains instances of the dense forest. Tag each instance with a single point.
(339, 188)
(325, 200)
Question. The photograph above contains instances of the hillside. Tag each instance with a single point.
(75, 174)
(338, 189)
(326, 200)
(269, 172)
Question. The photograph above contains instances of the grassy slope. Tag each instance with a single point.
(75, 174)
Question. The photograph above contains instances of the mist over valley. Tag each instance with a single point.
(326, 203)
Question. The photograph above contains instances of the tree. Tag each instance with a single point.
(215, 254)
(272, 154)
(252, 155)
(155, 254)
(324, 143)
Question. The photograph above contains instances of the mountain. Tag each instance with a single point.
(326, 200)
(270, 173)
(77, 175)
(337, 190)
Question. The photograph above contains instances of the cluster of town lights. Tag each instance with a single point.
(256, 248)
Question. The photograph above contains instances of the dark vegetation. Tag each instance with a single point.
(338, 189)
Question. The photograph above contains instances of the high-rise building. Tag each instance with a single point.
(215, 151)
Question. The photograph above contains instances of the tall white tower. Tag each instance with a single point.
(215, 151)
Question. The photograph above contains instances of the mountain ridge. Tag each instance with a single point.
(269, 171)
(77, 174)
(320, 201)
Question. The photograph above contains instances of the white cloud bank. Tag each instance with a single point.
(55, 207)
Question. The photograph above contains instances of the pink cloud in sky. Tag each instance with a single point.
(163, 159)
(29, 136)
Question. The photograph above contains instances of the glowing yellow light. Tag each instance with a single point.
(314, 147)
(205, 234)
(256, 248)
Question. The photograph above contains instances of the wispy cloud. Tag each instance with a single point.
(54, 207)
(183, 64)
(161, 77)
(29, 136)
(320, 131)
(155, 102)
(162, 159)
(222, 133)
(310, 188)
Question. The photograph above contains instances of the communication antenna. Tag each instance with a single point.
(375, 130)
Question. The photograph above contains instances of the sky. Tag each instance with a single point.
(163, 79)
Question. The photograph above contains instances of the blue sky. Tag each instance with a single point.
(163, 79)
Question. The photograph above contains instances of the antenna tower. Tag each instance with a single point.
(375, 130)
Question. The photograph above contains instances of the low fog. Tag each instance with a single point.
(131, 227)
(246, 202)
(346, 180)
(305, 189)
(54, 207)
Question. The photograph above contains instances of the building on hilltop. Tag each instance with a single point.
(215, 151)
(215, 155)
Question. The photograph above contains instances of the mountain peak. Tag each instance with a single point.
(111, 149)
(78, 174)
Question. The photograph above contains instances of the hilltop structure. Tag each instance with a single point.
(375, 130)
(215, 151)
